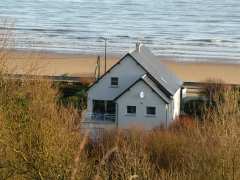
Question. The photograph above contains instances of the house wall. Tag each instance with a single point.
(177, 103)
(174, 107)
(127, 72)
(141, 120)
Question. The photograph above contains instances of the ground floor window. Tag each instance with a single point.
(151, 110)
(103, 111)
(131, 109)
(104, 107)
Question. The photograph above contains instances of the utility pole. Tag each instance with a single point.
(97, 68)
(99, 65)
(105, 55)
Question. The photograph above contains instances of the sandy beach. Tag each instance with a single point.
(83, 66)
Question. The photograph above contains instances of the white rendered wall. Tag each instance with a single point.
(127, 71)
(141, 120)
(177, 103)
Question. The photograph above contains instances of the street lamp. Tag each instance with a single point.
(105, 53)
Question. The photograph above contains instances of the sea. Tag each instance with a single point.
(188, 29)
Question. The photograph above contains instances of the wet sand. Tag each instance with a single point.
(83, 66)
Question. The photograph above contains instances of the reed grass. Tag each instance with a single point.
(40, 139)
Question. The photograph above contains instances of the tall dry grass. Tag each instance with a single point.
(38, 136)
(38, 140)
(189, 149)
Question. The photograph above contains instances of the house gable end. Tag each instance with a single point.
(136, 82)
(114, 66)
(141, 101)
(160, 86)
(126, 71)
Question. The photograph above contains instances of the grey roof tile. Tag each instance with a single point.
(157, 70)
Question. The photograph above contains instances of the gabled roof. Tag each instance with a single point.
(157, 72)
(162, 75)
(147, 80)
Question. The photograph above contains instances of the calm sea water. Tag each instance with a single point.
(184, 28)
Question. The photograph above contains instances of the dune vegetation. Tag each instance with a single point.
(41, 138)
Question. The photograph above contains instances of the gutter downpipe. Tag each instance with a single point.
(181, 98)
(166, 107)
(117, 115)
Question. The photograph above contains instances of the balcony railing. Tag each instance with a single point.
(100, 117)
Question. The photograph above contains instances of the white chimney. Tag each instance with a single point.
(138, 45)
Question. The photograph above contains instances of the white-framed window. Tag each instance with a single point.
(114, 82)
(131, 110)
(151, 111)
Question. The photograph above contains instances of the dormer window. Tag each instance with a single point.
(114, 82)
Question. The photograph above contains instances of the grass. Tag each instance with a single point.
(40, 139)
(36, 134)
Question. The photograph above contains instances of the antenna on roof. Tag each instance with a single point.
(138, 44)
(105, 53)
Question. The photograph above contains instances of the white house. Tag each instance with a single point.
(136, 91)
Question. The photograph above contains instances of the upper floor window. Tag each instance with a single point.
(151, 110)
(114, 81)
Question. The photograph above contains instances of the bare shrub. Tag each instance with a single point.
(188, 150)
(183, 122)
(39, 140)
(224, 99)
(36, 136)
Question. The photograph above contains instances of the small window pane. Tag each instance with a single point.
(114, 81)
(131, 109)
(151, 110)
